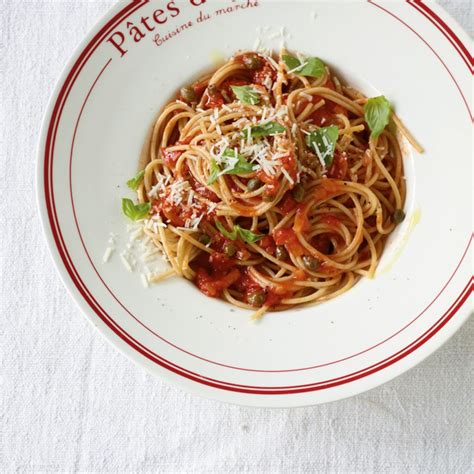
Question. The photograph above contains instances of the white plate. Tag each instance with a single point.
(93, 132)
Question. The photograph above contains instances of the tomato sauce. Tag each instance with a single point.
(199, 89)
(201, 189)
(233, 186)
(287, 204)
(290, 165)
(260, 76)
(328, 188)
(170, 157)
(339, 167)
(214, 100)
(288, 238)
(246, 284)
(268, 244)
(214, 285)
(176, 215)
(330, 219)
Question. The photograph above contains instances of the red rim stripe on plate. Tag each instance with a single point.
(446, 30)
(372, 2)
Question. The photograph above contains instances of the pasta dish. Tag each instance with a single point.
(270, 183)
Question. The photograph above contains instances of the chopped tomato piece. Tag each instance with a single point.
(175, 214)
(268, 244)
(214, 285)
(328, 188)
(214, 100)
(170, 157)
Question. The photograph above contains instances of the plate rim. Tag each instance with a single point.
(70, 285)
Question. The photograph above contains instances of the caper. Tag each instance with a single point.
(281, 252)
(204, 239)
(253, 184)
(256, 299)
(310, 263)
(252, 62)
(211, 89)
(230, 250)
(188, 94)
(298, 193)
(398, 216)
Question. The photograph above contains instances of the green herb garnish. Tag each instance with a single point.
(215, 170)
(136, 180)
(246, 94)
(246, 235)
(234, 163)
(312, 67)
(135, 212)
(268, 129)
(377, 112)
(323, 142)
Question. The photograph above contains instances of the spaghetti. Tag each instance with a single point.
(271, 184)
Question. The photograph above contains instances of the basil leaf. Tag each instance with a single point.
(135, 212)
(215, 170)
(312, 67)
(248, 236)
(246, 94)
(242, 166)
(323, 142)
(269, 129)
(291, 62)
(377, 112)
(136, 180)
(230, 235)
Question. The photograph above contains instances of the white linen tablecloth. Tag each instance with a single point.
(70, 402)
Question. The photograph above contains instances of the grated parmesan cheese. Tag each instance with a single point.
(144, 280)
(287, 176)
(301, 66)
(108, 253)
(125, 262)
